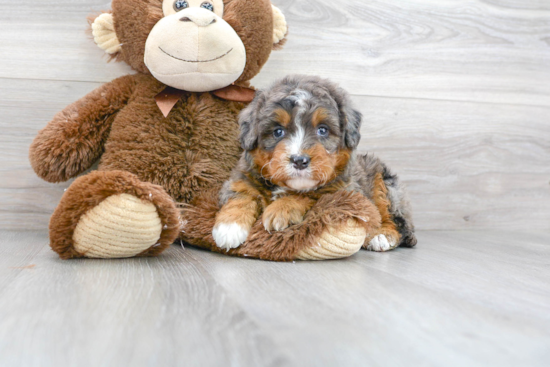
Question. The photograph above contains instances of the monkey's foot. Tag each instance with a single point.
(337, 242)
(120, 226)
(113, 215)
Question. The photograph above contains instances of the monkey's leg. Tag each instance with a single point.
(388, 236)
(334, 228)
(112, 214)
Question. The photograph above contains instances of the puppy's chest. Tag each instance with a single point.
(280, 192)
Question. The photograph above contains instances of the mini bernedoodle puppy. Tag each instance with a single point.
(299, 139)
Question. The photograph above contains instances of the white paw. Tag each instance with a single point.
(380, 243)
(229, 235)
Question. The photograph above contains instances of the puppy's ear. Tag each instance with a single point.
(350, 118)
(247, 123)
(352, 130)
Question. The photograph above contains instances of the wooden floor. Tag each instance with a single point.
(458, 299)
(456, 100)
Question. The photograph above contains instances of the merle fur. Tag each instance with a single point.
(361, 170)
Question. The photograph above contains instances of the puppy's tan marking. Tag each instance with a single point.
(261, 160)
(242, 210)
(247, 188)
(341, 161)
(234, 221)
(286, 211)
(325, 166)
(243, 187)
(272, 165)
(283, 117)
(320, 115)
(380, 199)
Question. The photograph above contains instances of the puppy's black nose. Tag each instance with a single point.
(300, 161)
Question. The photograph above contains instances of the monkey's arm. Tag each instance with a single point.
(75, 138)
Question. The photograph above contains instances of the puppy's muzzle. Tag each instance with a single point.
(300, 162)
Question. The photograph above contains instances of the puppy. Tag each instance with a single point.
(299, 138)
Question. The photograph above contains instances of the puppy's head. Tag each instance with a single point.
(300, 132)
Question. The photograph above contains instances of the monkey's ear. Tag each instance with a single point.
(105, 37)
(280, 28)
(352, 134)
(247, 123)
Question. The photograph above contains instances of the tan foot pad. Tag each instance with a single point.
(337, 243)
(120, 226)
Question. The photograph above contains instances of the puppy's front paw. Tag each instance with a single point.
(275, 219)
(229, 235)
(381, 243)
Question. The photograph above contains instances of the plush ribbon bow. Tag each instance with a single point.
(167, 99)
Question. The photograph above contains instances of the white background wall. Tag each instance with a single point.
(455, 93)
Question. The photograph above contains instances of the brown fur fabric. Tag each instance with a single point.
(332, 210)
(74, 139)
(90, 190)
(191, 150)
(139, 150)
(187, 152)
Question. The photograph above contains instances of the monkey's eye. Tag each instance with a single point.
(279, 132)
(322, 131)
(180, 5)
(207, 6)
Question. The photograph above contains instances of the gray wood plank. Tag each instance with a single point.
(54, 43)
(17, 251)
(25, 107)
(165, 311)
(461, 50)
(458, 50)
(459, 299)
(471, 298)
(467, 165)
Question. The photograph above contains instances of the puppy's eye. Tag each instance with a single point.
(180, 5)
(207, 6)
(279, 132)
(322, 131)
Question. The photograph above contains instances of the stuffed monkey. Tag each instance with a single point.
(168, 134)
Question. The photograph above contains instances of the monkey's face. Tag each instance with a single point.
(194, 45)
(193, 48)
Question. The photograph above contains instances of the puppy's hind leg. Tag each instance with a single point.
(400, 208)
(388, 195)
(387, 237)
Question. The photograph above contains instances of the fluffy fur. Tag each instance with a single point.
(331, 211)
(299, 138)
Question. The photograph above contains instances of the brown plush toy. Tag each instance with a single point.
(169, 134)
